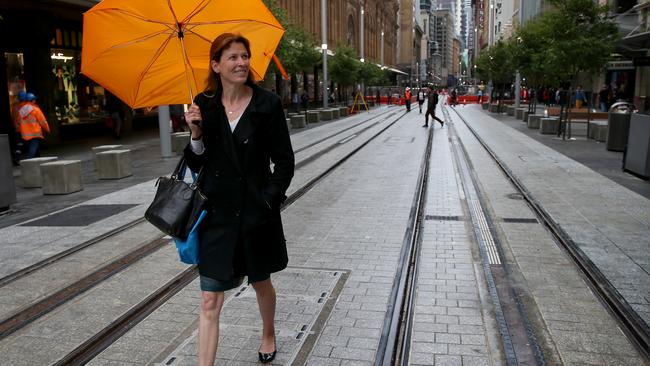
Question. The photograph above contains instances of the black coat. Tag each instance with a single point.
(242, 233)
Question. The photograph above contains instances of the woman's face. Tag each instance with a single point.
(233, 66)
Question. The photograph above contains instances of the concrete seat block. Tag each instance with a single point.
(485, 106)
(534, 121)
(288, 123)
(30, 171)
(549, 126)
(326, 115)
(335, 113)
(313, 116)
(519, 113)
(494, 108)
(525, 117)
(597, 130)
(343, 111)
(510, 110)
(61, 177)
(114, 164)
(298, 121)
(98, 149)
(179, 141)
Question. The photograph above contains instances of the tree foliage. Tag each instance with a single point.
(343, 67)
(575, 36)
(297, 50)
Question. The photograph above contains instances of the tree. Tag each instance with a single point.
(344, 68)
(576, 36)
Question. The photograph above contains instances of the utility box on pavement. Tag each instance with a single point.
(7, 185)
(619, 126)
(637, 158)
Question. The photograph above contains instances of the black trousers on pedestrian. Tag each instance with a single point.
(432, 112)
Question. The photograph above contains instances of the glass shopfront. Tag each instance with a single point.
(77, 99)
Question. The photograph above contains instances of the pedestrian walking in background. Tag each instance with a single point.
(295, 102)
(421, 98)
(407, 98)
(31, 124)
(603, 98)
(176, 114)
(480, 96)
(242, 129)
(580, 97)
(304, 98)
(115, 109)
(432, 102)
(454, 97)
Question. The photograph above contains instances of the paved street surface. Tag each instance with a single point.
(493, 286)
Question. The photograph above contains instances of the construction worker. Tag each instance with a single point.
(30, 123)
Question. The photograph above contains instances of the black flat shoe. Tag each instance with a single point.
(267, 357)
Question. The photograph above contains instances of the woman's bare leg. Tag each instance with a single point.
(209, 326)
(266, 301)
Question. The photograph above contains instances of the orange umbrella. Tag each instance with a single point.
(156, 52)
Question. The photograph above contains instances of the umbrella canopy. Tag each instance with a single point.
(156, 52)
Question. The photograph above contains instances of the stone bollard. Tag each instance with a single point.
(313, 116)
(61, 177)
(335, 113)
(325, 115)
(30, 171)
(597, 130)
(549, 126)
(519, 113)
(343, 111)
(114, 164)
(288, 123)
(485, 106)
(525, 117)
(510, 110)
(494, 108)
(98, 149)
(533, 121)
(179, 141)
(298, 121)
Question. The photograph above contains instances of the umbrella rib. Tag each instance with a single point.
(199, 8)
(129, 43)
(126, 12)
(153, 59)
(236, 21)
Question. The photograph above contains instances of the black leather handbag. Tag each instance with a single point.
(177, 204)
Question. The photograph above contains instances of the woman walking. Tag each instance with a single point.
(237, 130)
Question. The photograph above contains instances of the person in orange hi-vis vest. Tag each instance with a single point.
(407, 99)
(31, 124)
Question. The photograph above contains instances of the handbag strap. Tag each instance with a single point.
(181, 168)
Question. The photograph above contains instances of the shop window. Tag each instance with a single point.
(66, 38)
(73, 39)
(15, 76)
(76, 98)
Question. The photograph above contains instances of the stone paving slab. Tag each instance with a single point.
(608, 222)
(571, 324)
(454, 324)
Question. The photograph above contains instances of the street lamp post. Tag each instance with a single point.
(363, 82)
(323, 11)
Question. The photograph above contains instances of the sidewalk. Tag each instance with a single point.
(608, 222)
(589, 152)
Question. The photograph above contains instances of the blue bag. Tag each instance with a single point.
(188, 249)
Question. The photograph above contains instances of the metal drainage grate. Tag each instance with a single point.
(83, 215)
(443, 218)
(520, 220)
